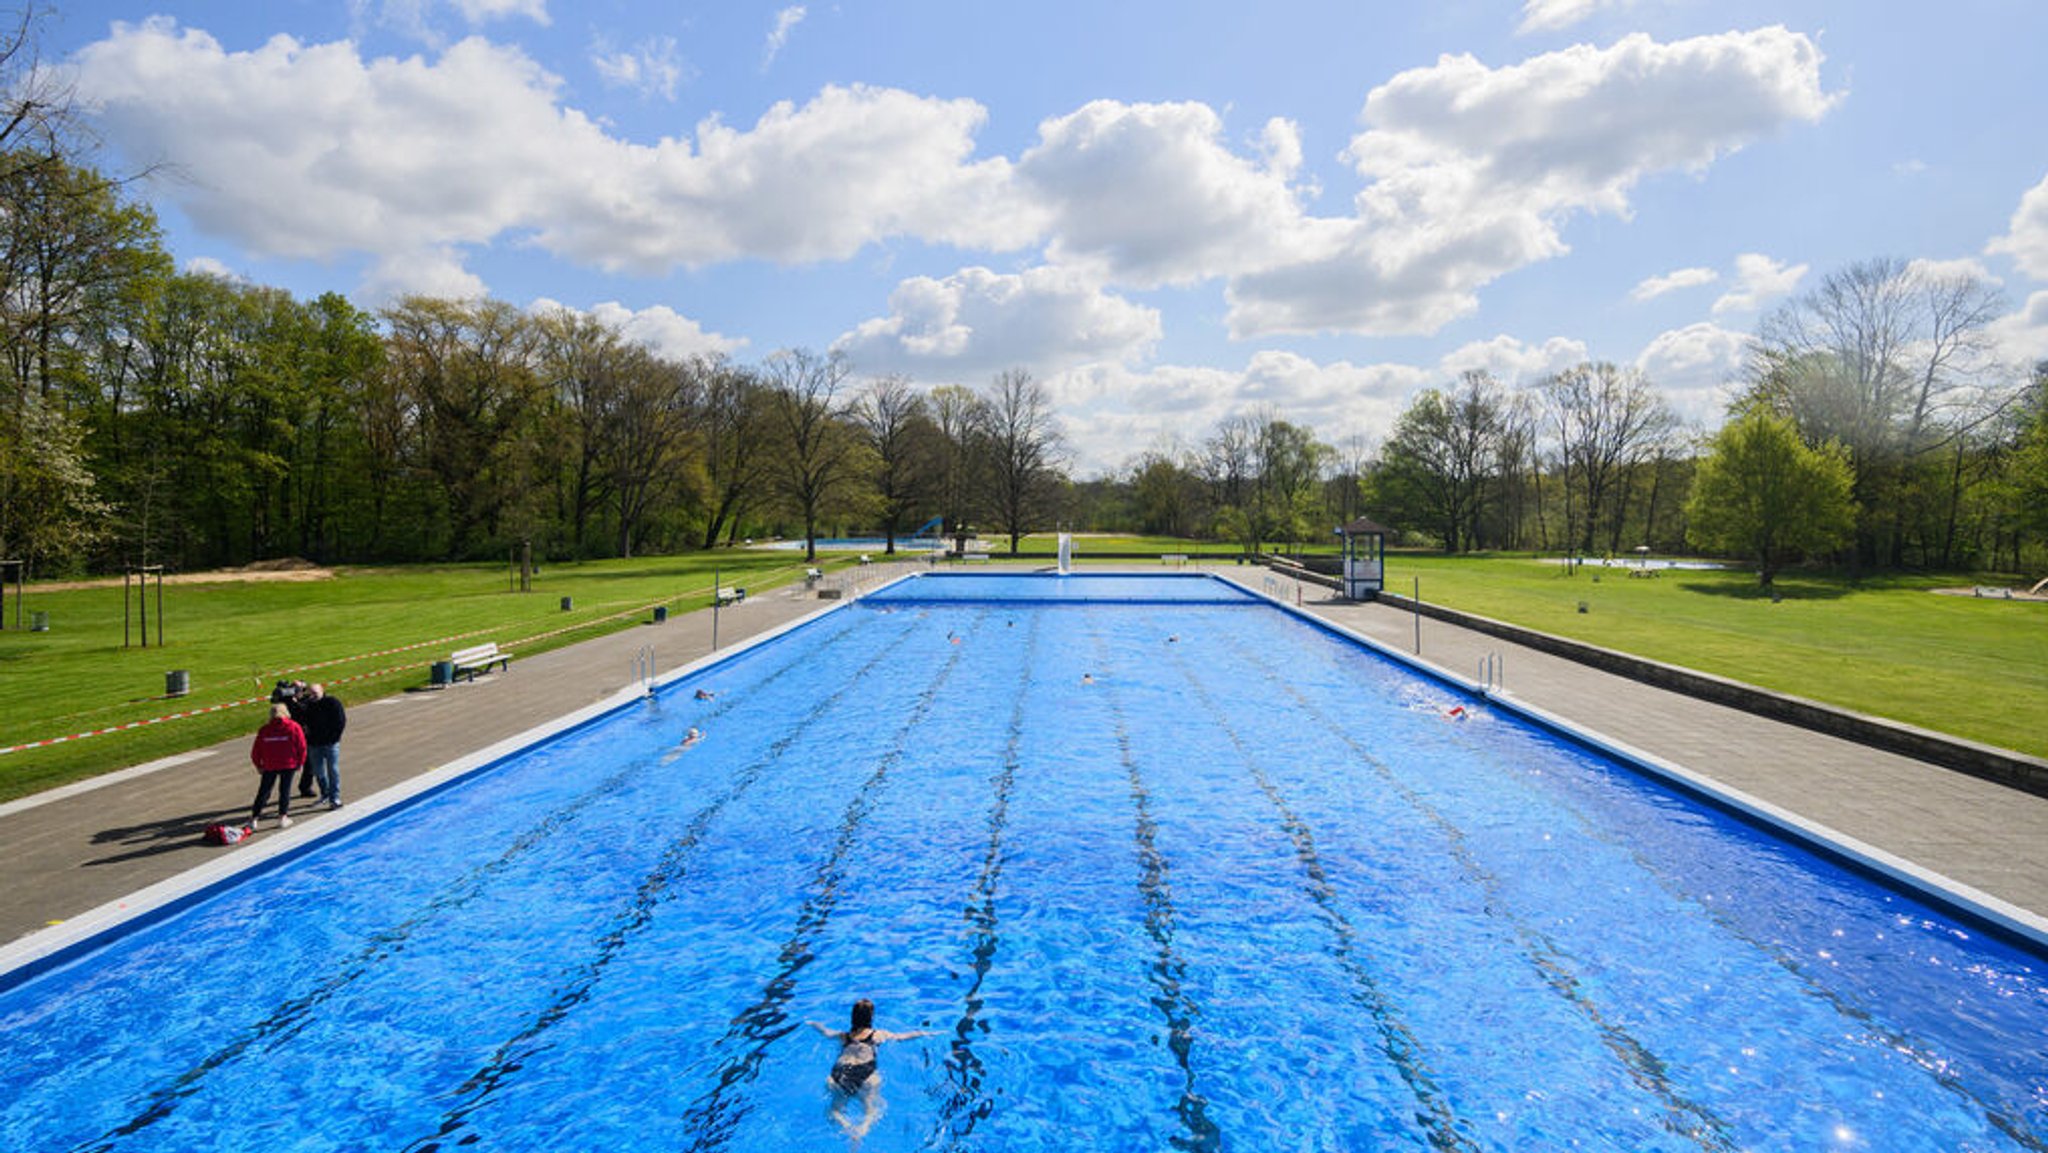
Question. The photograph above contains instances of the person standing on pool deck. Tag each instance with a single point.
(279, 750)
(854, 1073)
(324, 719)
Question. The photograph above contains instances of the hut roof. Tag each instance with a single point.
(1365, 525)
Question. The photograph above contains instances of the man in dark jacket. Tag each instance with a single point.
(324, 719)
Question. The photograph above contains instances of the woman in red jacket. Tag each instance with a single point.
(279, 750)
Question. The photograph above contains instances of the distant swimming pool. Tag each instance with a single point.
(864, 543)
(1162, 866)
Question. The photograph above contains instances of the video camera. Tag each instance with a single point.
(287, 692)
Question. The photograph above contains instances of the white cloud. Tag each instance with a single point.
(1557, 15)
(418, 18)
(785, 22)
(2021, 339)
(481, 11)
(1114, 412)
(208, 266)
(1147, 194)
(975, 323)
(1511, 361)
(311, 151)
(1694, 368)
(659, 327)
(314, 151)
(652, 68)
(1653, 287)
(1962, 268)
(1758, 279)
(2026, 238)
(1470, 171)
(425, 272)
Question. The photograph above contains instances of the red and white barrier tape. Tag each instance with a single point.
(200, 712)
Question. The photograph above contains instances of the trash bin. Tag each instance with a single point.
(568, 603)
(660, 613)
(177, 682)
(443, 674)
(39, 622)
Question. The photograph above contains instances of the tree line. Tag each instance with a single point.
(150, 416)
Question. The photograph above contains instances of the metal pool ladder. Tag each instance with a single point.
(1492, 674)
(643, 669)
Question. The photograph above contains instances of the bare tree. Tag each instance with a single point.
(1607, 420)
(899, 433)
(1024, 450)
(820, 454)
(733, 420)
(1891, 359)
(956, 416)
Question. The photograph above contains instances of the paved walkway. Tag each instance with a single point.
(76, 849)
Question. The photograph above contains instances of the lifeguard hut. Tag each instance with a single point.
(1365, 568)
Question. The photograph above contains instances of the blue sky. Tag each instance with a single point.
(1169, 212)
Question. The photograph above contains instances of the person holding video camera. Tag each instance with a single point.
(323, 718)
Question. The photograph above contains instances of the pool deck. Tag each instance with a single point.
(84, 846)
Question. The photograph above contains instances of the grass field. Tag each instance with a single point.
(369, 632)
(1885, 645)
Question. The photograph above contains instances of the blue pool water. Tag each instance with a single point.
(1249, 888)
(864, 543)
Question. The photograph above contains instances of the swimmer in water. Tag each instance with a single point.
(693, 736)
(705, 694)
(854, 1072)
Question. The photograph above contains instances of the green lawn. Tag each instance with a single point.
(237, 638)
(1884, 645)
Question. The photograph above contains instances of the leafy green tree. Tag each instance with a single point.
(1762, 494)
(472, 371)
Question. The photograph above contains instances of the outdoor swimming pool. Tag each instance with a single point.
(1250, 888)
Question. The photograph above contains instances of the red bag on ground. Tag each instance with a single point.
(219, 834)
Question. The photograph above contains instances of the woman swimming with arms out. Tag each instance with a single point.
(854, 1072)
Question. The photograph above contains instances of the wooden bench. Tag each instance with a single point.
(479, 658)
(731, 596)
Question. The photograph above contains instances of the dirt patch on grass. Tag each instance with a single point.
(281, 569)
